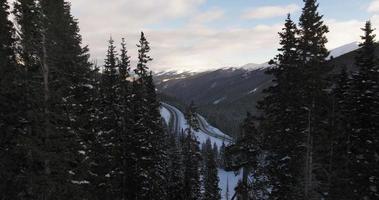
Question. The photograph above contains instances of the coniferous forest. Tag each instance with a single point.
(70, 129)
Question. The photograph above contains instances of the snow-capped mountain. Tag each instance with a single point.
(344, 49)
(224, 95)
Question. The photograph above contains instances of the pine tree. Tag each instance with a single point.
(175, 168)
(341, 120)
(192, 159)
(221, 160)
(106, 148)
(124, 104)
(314, 100)
(65, 71)
(124, 64)
(244, 154)
(281, 117)
(210, 175)
(364, 162)
(12, 113)
(191, 117)
(143, 58)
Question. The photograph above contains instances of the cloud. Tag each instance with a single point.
(374, 6)
(343, 32)
(270, 11)
(208, 16)
(194, 44)
(202, 49)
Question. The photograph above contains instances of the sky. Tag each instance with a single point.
(197, 35)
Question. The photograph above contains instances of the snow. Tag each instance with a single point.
(339, 51)
(79, 182)
(219, 100)
(254, 66)
(253, 91)
(207, 131)
(225, 178)
(165, 115)
(88, 86)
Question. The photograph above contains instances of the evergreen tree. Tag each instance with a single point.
(315, 101)
(221, 159)
(341, 120)
(124, 64)
(124, 104)
(364, 162)
(244, 155)
(191, 117)
(143, 58)
(106, 145)
(210, 175)
(12, 113)
(175, 166)
(192, 159)
(281, 117)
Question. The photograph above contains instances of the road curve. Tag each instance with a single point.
(177, 122)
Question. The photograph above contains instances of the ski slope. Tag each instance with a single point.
(177, 122)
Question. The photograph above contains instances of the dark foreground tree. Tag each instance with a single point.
(364, 162)
(210, 175)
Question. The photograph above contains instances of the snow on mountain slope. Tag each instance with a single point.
(178, 122)
(339, 51)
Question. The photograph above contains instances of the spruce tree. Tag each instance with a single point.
(221, 159)
(192, 159)
(244, 154)
(124, 104)
(175, 168)
(364, 162)
(191, 117)
(210, 175)
(314, 100)
(281, 116)
(143, 57)
(12, 113)
(340, 171)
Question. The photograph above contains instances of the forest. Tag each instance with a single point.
(70, 129)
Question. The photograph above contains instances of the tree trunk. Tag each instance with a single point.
(45, 71)
(308, 159)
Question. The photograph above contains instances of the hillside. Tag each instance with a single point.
(225, 95)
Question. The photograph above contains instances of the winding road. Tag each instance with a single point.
(177, 123)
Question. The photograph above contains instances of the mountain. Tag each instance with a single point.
(225, 95)
(344, 49)
(222, 95)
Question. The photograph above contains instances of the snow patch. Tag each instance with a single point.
(339, 51)
(165, 115)
(227, 179)
(219, 100)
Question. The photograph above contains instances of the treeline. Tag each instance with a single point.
(319, 133)
(69, 130)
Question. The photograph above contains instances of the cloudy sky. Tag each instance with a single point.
(197, 35)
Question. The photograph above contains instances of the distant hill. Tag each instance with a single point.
(225, 95)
